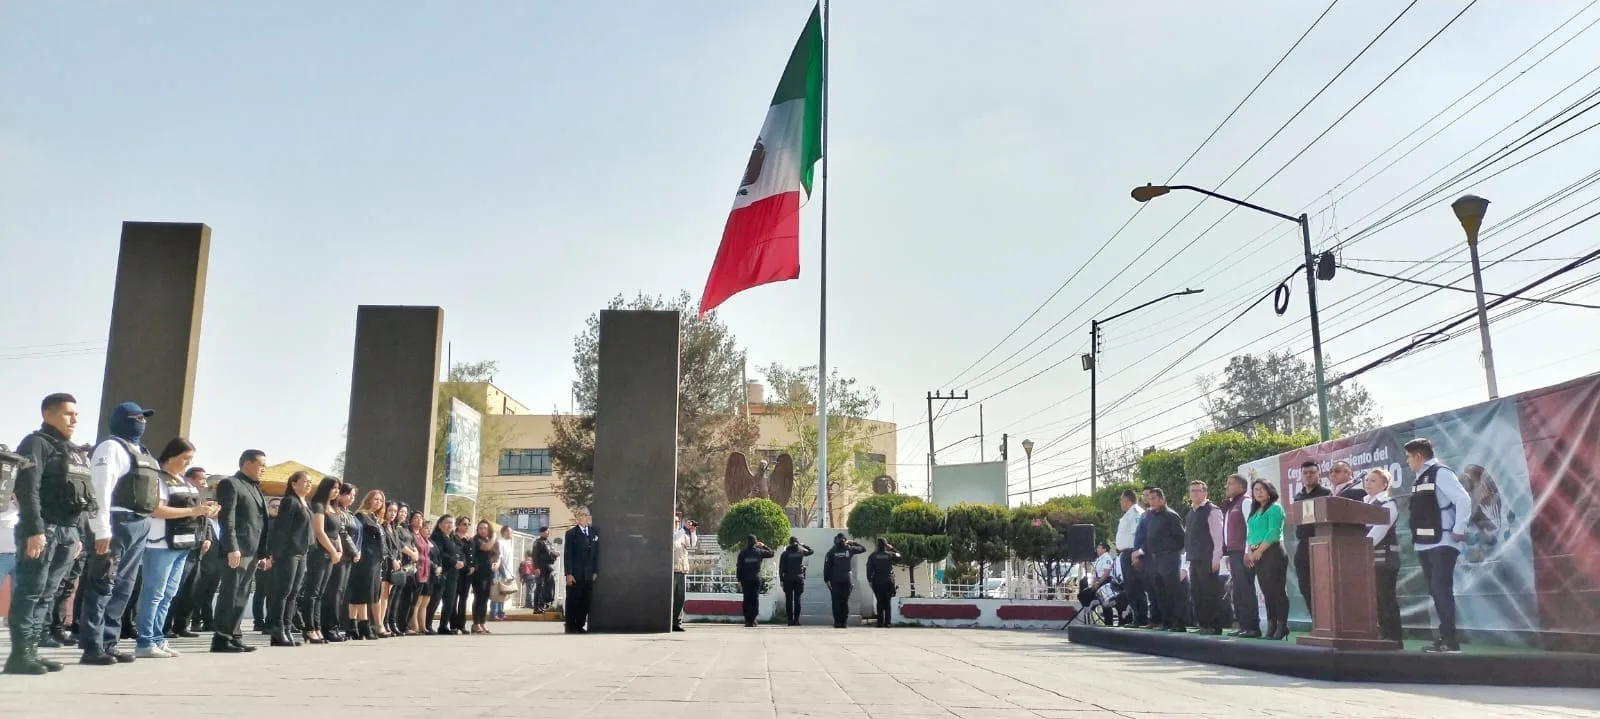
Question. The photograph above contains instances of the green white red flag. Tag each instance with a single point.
(761, 241)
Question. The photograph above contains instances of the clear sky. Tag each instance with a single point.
(519, 163)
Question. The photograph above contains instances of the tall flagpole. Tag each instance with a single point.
(823, 519)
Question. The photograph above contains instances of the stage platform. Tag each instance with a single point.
(1477, 664)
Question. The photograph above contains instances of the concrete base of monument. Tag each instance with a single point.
(722, 608)
(984, 613)
(1489, 666)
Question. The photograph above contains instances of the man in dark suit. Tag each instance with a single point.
(582, 565)
(243, 520)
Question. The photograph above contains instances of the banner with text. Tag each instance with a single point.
(1530, 565)
(462, 453)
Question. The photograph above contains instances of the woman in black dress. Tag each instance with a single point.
(444, 561)
(324, 556)
(485, 565)
(287, 545)
(366, 584)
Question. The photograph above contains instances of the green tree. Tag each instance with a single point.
(492, 440)
(1119, 462)
(870, 517)
(711, 397)
(761, 517)
(916, 529)
(850, 403)
(1253, 384)
(978, 534)
(1164, 468)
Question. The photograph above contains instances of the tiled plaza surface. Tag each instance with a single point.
(715, 672)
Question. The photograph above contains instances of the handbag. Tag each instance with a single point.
(503, 589)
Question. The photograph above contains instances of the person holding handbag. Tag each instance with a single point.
(485, 567)
(175, 528)
(505, 579)
(321, 560)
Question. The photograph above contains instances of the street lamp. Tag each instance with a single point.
(1150, 192)
(1027, 449)
(1091, 361)
(1469, 210)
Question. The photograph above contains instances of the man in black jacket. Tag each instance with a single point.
(53, 493)
(544, 559)
(1311, 487)
(749, 575)
(582, 566)
(243, 520)
(188, 606)
(1163, 554)
(836, 573)
(792, 574)
(880, 576)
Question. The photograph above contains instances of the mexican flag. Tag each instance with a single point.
(761, 241)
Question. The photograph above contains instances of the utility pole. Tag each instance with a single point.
(980, 433)
(933, 455)
(1004, 440)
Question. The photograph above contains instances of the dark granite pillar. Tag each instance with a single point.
(155, 325)
(635, 470)
(394, 389)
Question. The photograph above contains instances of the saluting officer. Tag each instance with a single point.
(792, 573)
(749, 575)
(836, 572)
(880, 576)
(53, 493)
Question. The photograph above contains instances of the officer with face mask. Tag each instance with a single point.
(53, 491)
(127, 483)
(836, 572)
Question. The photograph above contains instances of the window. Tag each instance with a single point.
(868, 459)
(525, 462)
(770, 455)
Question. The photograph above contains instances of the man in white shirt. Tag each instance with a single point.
(1132, 583)
(685, 537)
(127, 484)
(1440, 510)
(1104, 562)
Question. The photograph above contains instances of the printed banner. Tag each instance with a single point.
(1530, 566)
(462, 453)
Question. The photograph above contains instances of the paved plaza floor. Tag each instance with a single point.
(717, 672)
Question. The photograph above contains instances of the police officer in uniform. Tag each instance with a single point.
(880, 576)
(53, 491)
(1385, 554)
(1440, 510)
(749, 574)
(836, 573)
(1311, 488)
(127, 483)
(792, 573)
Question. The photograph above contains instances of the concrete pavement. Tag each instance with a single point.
(717, 672)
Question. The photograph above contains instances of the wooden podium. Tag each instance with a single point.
(1344, 599)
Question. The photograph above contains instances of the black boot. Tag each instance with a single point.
(365, 628)
(22, 659)
(221, 644)
(281, 638)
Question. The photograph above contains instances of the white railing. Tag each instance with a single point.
(1026, 590)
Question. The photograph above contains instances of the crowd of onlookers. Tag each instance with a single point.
(112, 542)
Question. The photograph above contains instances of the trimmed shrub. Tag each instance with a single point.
(761, 517)
(870, 517)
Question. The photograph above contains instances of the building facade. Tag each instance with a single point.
(522, 484)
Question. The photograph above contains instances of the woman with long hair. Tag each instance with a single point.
(1264, 538)
(174, 530)
(336, 623)
(322, 558)
(366, 584)
(288, 542)
(422, 572)
(486, 566)
(406, 555)
(391, 565)
(444, 563)
(464, 573)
